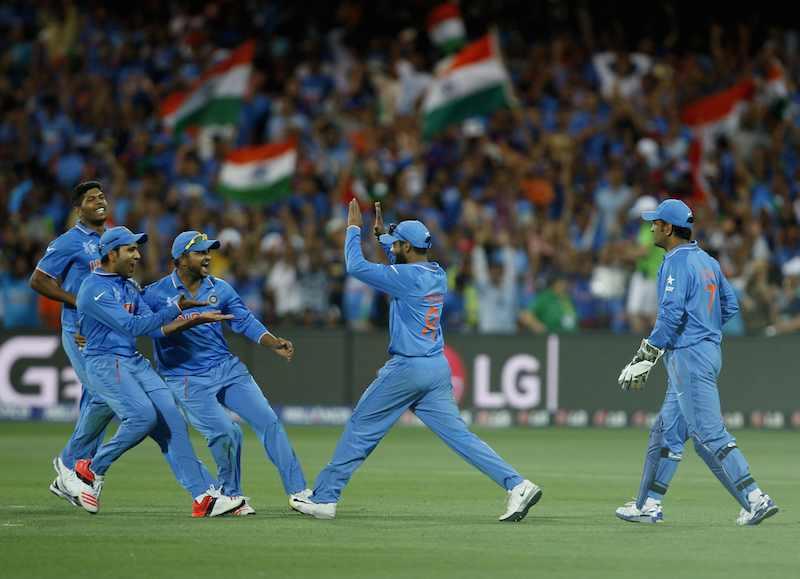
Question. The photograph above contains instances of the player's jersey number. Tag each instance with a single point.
(711, 288)
(432, 321)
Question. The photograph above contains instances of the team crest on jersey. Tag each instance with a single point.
(90, 247)
(117, 295)
(213, 299)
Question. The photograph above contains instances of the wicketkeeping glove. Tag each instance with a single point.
(634, 375)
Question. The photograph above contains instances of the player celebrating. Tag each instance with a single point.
(416, 377)
(111, 316)
(67, 262)
(695, 302)
(206, 377)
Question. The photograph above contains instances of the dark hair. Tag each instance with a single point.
(420, 250)
(82, 188)
(682, 232)
(105, 258)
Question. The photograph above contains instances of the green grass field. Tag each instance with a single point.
(413, 510)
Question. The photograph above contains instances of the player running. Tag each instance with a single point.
(416, 377)
(69, 259)
(111, 315)
(206, 377)
(695, 302)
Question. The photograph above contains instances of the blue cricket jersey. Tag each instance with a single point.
(417, 294)
(200, 349)
(69, 258)
(112, 314)
(695, 299)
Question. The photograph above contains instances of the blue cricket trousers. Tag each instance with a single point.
(230, 385)
(144, 405)
(423, 385)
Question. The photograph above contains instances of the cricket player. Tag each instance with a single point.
(695, 301)
(68, 260)
(416, 377)
(111, 315)
(206, 377)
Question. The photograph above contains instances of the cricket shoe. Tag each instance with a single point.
(303, 495)
(245, 509)
(650, 512)
(59, 487)
(89, 485)
(317, 510)
(520, 500)
(213, 503)
(761, 507)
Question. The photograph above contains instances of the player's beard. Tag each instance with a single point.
(400, 258)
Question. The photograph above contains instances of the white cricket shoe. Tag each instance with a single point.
(213, 503)
(303, 495)
(761, 507)
(89, 485)
(245, 509)
(520, 499)
(316, 510)
(59, 486)
(650, 512)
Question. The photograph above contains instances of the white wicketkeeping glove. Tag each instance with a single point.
(634, 375)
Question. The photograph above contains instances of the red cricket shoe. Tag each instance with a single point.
(213, 503)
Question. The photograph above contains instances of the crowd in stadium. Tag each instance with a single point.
(535, 211)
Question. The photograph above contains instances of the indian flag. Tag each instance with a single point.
(776, 91)
(446, 28)
(709, 117)
(471, 83)
(260, 174)
(216, 97)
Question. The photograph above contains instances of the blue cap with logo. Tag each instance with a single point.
(413, 232)
(672, 211)
(117, 237)
(192, 241)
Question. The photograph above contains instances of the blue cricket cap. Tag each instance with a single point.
(189, 241)
(413, 232)
(672, 211)
(117, 237)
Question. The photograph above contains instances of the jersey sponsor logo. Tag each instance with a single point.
(669, 287)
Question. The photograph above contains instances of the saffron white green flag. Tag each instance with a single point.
(259, 174)
(446, 28)
(215, 98)
(471, 83)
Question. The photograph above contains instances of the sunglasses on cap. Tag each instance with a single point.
(196, 239)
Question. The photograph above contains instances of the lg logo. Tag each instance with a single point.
(37, 386)
(521, 380)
